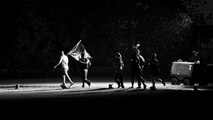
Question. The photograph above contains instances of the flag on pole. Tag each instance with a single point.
(77, 50)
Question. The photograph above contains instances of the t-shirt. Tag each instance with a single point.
(84, 63)
(138, 62)
(154, 67)
(118, 64)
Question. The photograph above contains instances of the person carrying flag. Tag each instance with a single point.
(84, 64)
(80, 54)
(64, 65)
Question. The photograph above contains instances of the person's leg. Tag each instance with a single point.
(142, 78)
(63, 76)
(118, 83)
(67, 75)
(85, 77)
(162, 81)
(132, 79)
(138, 79)
(116, 78)
(121, 79)
(139, 83)
(83, 82)
(143, 81)
(153, 83)
(63, 81)
(70, 80)
(81, 72)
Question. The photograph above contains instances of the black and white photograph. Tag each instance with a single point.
(106, 59)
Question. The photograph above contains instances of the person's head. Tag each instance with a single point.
(195, 53)
(154, 55)
(62, 52)
(118, 55)
(138, 45)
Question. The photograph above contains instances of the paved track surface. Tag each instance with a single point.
(48, 99)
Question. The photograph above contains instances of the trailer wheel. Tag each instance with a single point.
(174, 81)
(186, 81)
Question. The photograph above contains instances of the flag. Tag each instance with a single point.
(77, 50)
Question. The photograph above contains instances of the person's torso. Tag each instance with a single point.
(137, 61)
(154, 66)
(118, 64)
(64, 61)
(84, 63)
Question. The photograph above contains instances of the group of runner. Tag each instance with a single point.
(137, 66)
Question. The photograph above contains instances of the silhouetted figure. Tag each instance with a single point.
(195, 57)
(84, 64)
(155, 71)
(197, 68)
(118, 69)
(137, 65)
(65, 67)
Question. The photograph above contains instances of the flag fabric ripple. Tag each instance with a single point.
(77, 50)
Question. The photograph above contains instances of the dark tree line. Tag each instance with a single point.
(33, 32)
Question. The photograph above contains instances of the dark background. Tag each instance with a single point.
(33, 32)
